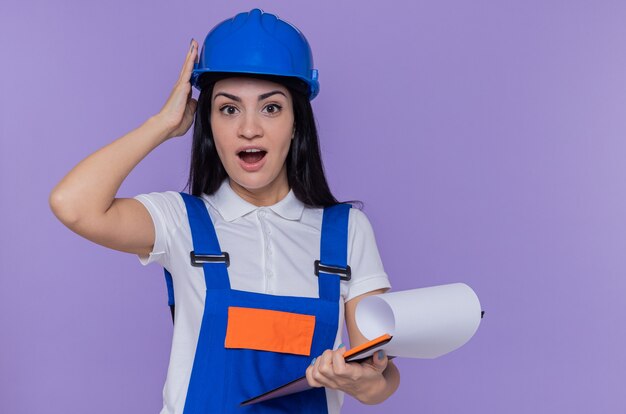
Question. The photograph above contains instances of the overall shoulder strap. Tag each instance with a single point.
(206, 251)
(333, 263)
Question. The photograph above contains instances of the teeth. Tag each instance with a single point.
(253, 150)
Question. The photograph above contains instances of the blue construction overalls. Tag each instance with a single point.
(226, 371)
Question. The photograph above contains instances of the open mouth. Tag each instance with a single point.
(251, 156)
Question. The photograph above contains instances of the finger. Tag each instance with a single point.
(193, 105)
(185, 72)
(339, 362)
(380, 360)
(190, 111)
(309, 376)
(324, 363)
(187, 58)
(323, 370)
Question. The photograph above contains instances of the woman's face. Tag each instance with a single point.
(253, 124)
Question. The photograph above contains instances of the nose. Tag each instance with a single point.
(250, 127)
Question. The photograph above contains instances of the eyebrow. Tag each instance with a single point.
(238, 99)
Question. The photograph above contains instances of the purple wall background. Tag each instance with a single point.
(486, 139)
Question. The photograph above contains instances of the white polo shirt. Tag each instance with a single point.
(272, 250)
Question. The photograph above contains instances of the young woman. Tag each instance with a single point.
(265, 264)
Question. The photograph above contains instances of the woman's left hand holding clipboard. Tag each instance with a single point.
(370, 381)
(357, 379)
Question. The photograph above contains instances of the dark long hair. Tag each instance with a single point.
(305, 171)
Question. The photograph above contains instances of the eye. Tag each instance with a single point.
(230, 110)
(273, 108)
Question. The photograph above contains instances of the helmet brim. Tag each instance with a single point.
(201, 79)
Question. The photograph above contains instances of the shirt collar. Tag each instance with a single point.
(231, 206)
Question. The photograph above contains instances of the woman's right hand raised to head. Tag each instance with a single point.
(85, 199)
(178, 112)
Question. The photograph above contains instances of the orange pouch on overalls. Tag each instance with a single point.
(269, 330)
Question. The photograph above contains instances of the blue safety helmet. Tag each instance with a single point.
(257, 43)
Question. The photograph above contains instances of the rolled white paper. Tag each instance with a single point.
(425, 323)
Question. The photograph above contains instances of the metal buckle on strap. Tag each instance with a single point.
(199, 259)
(345, 273)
